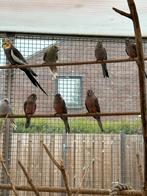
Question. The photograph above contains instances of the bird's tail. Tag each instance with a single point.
(105, 70)
(54, 73)
(67, 127)
(33, 80)
(13, 123)
(100, 123)
(33, 73)
(28, 122)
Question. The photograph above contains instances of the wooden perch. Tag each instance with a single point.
(141, 69)
(29, 179)
(73, 190)
(61, 167)
(9, 177)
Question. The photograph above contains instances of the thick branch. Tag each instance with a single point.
(141, 66)
(29, 179)
(73, 115)
(61, 167)
(9, 177)
(73, 190)
(122, 13)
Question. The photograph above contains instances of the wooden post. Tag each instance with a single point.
(140, 62)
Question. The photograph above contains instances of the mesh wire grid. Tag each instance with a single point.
(92, 159)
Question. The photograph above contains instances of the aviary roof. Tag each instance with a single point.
(94, 17)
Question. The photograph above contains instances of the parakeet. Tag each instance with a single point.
(101, 54)
(130, 48)
(60, 108)
(51, 56)
(131, 51)
(6, 109)
(92, 105)
(30, 108)
(16, 58)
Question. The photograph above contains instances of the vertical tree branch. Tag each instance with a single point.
(141, 66)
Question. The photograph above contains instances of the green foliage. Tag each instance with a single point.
(78, 125)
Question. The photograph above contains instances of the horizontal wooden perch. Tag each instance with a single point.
(73, 190)
(71, 63)
(72, 115)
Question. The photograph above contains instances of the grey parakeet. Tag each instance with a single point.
(101, 54)
(6, 109)
(51, 56)
(130, 48)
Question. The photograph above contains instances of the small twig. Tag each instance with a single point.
(83, 177)
(122, 13)
(139, 169)
(61, 167)
(8, 175)
(29, 179)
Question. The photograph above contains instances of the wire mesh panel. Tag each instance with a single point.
(92, 159)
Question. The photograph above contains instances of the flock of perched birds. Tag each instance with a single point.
(14, 57)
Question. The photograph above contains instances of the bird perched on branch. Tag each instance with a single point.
(5, 109)
(51, 56)
(130, 48)
(16, 58)
(92, 105)
(60, 108)
(30, 108)
(101, 54)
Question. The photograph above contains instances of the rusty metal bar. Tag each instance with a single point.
(71, 63)
(73, 115)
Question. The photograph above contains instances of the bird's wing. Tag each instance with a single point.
(24, 106)
(97, 105)
(35, 107)
(10, 109)
(105, 54)
(44, 56)
(56, 56)
(17, 56)
(86, 107)
(64, 107)
(133, 46)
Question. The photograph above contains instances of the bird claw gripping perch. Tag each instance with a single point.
(117, 187)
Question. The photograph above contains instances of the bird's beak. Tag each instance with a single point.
(6, 45)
